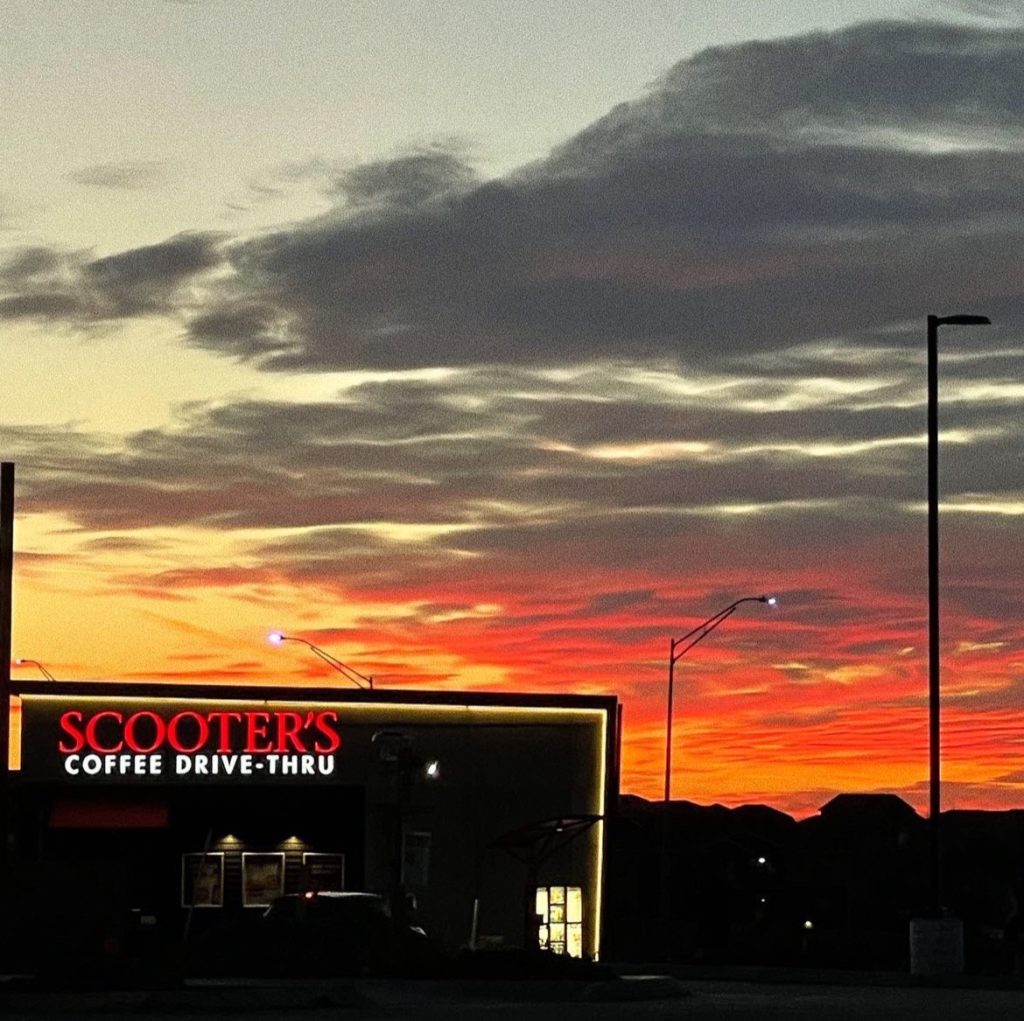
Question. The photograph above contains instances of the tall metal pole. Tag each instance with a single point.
(668, 719)
(677, 648)
(934, 776)
(664, 889)
(6, 605)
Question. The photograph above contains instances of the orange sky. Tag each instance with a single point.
(501, 359)
(789, 704)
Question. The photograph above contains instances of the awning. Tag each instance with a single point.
(538, 841)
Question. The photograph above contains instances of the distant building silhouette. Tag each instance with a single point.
(751, 884)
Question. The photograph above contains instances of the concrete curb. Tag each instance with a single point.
(635, 988)
(302, 996)
(222, 1000)
(766, 975)
(231, 999)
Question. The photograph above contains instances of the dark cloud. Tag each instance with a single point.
(122, 544)
(315, 171)
(51, 305)
(812, 719)
(407, 181)
(42, 283)
(998, 10)
(29, 264)
(144, 280)
(130, 175)
(1016, 777)
(686, 361)
(917, 76)
(509, 453)
(760, 196)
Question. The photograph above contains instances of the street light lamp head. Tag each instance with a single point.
(350, 673)
(963, 320)
(770, 600)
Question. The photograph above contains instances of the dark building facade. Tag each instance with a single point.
(191, 807)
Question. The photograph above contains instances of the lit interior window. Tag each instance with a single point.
(560, 919)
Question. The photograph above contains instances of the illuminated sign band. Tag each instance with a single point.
(216, 742)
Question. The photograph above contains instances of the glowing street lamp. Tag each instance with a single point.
(34, 662)
(679, 647)
(358, 679)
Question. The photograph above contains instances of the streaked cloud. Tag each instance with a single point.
(530, 427)
(130, 175)
(50, 285)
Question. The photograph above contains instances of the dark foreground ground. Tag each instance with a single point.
(635, 999)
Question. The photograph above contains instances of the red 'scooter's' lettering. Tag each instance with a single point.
(222, 721)
(256, 729)
(253, 732)
(69, 723)
(91, 736)
(333, 742)
(131, 731)
(289, 725)
(174, 727)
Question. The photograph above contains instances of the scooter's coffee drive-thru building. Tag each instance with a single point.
(188, 807)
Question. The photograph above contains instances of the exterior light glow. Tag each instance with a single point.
(808, 924)
(275, 638)
(432, 769)
(762, 860)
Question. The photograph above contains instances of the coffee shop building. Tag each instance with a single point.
(485, 811)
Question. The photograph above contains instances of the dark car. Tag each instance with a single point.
(349, 933)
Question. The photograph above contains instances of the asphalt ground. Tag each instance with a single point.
(637, 998)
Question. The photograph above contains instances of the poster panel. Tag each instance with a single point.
(323, 871)
(262, 878)
(202, 880)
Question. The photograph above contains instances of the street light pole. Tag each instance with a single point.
(6, 604)
(349, 673)
(21, 661)
(934, 775)
(677, 648)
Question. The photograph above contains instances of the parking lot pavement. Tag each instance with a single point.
(426, 1001)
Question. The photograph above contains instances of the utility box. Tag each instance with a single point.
(936, 946)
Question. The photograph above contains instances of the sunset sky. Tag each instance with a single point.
(491, 344)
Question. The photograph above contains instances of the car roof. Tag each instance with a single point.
(333, 894)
